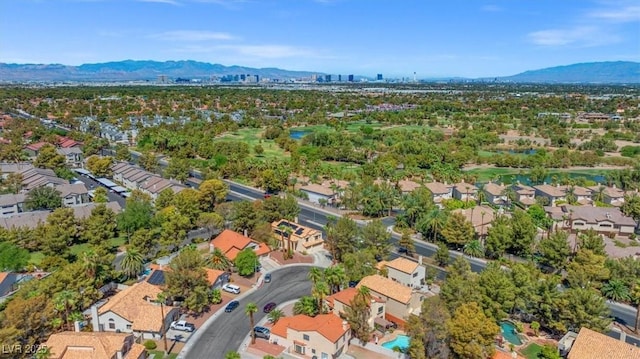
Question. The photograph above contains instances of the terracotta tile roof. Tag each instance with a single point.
(386, 288)
(132, 305)
(593, 345)
(299, 231)
(329, 326)
(231, 243)
(408, 186)
(136, 352)
(552, 191)
(36, 146)
(403, 265)
(494, 189)
(345, 297)
(213, 274)
(88, 345)
(438, 188)
(465, 188)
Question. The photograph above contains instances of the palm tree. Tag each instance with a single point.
(275, 315)
(335, 277)
(482, 195)
(474, 249)
(436, 219)
(307, 306)
(315, 275)
(249, 310)
(217, 260)
(616, 290)
(599, 194)
(133, 263)
(64, 301)
(162, 299)
(319, 291)
(90, 263)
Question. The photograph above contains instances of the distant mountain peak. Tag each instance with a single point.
(611, 72)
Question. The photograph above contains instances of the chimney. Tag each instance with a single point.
(95, 320)
(211, 247)
(344, 325)
(420, 260)
(76, 326)
(119, 354)
(245, 233)
(613, 186)
(623, 336)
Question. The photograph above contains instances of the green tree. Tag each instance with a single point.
(100, 166)
(592, 241)
(148, 161)
(429, 328)
(631, 207)
(214, 223)
(217, 260)
(587, 270)
(100, 195)
(498, 291)
(341, 236)
(458, 231)
(357, 314)
(250, 310)
(122, 152)
(376, 238)
(212, 192)
(319, 291)
(12, 257)
(187, 203)
(164, 199)
(275, 315)
(549, 352)
(407, 243)
(335, 277)
(471, 333)
(144, 241)
(187, 278)
(236, 355)
(136, 215)
(306, 305)
(60, 231)
(524, 233)
(215, 296)
(258, 149)
(461, 285)
(100, 226)
(173, 225)
(49, 158)
(43, 198)
(474, 249)
(585, 308)
(432, 223)
(499, 237)
(65, 301)
(246, 261)
(178, 169)
(616, 290)
(359, 264)
(555, 250)
(132, 263)
(442, 255)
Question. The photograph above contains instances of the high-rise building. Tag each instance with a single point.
(257, 78)
(162, 79)
(350, 78)
(327, 78)
(243, 77)
(339, 78)
(379, 77)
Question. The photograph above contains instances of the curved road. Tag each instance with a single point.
(228, 330)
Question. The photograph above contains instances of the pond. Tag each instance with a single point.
(296, 135)
(509, 333)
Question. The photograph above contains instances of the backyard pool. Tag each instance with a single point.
(509, 333)
(296, 135)
(401, 341)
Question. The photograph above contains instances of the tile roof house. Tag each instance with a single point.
(440, 191)
(559, 193)
(495, 193)
(320, 194)
(407, 186)
(525, 195)
(600, 219)
(480, 217)
(11, 204)
(611, 195)
(133, 310)
(155, 184)
(32, 219)
(231, 243)
(400, 300)
(323, 336)
(6, 168)
(39, 177)
(94, 345)
(405, 272)
(593, 345)
(465, 191)
(302, 238)
(33, 149)
(73, 194)
(340, 301)
(73, 155)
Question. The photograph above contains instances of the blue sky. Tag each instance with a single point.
(434, 38)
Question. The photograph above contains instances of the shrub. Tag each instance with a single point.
(150, 345)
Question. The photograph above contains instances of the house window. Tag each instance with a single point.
(324, 356)
(299, 349)
(128, 326)
(305, 337)
(313, 351)
(380, 309)
(112, 324)
(578, 223)
(606, 225)
(415, 274)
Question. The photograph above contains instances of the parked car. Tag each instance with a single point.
(269, 307)
(267, 278)
(262, 332)
(232, 306)
(183, 326)
(231, 288)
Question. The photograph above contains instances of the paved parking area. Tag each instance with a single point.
(178, 335)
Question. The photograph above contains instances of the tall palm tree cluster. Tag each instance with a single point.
(324, 282)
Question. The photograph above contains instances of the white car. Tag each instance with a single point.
(183, 326)
(231, 288)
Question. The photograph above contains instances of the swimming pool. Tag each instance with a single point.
(509, 333)
(401, 341)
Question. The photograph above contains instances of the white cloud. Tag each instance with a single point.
(193, 36)
(581, 36)
(621, 15)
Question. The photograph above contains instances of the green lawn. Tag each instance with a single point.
(531, 351)
(36, 258)
(77, 249)
(253, 136)
(158, 354)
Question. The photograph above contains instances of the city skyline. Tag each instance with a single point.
(456, 38)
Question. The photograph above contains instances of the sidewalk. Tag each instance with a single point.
(268, 264)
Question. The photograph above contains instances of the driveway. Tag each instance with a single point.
(228, 330)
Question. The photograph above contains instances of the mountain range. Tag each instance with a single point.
(130, 70)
